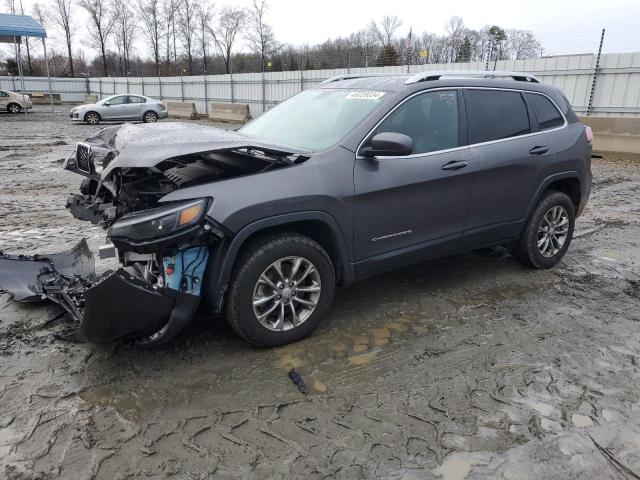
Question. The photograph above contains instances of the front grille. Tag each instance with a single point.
(83, 161)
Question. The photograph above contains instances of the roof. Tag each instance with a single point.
(19, 26)
(394, 82)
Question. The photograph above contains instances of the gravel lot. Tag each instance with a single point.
(465, 367)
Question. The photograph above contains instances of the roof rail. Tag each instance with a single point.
(437, 75)
(349, 76)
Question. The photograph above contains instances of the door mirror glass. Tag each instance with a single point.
(389, 144)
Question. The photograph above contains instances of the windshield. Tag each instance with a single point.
(315, 119)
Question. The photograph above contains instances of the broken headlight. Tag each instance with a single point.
(159, 222)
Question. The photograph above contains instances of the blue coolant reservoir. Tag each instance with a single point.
(184, 270)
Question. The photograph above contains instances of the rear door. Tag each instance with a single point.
(413, 207)
(136, 107)
(4, 100)
(510, 154)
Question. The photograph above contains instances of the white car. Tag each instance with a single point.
(14, 102)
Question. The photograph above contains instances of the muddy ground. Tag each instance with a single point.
(465, 367)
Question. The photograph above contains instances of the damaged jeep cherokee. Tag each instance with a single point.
(357, 176)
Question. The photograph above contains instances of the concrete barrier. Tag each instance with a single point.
(230, 112)
(90, 99)
(615, 134)
(182, 110)
(38, 98)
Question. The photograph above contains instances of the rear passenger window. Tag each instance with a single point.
(546, 113)
(430, 119)
(495, 114)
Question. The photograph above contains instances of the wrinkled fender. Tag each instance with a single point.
(222, 261)
(553, 178)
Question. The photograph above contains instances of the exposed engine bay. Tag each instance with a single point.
(115, 185)
(163, 248)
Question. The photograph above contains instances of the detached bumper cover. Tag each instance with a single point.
(118, 306)
(122, 307)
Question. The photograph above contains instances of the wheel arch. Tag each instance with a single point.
(565, 182)
(320, 226)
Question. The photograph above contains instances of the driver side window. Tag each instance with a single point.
(430, 119)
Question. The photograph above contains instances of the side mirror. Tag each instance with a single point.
(107, 103)
(388, 144)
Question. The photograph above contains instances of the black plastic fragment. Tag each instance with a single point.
(298, 380)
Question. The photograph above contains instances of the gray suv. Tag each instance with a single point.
(360, 175)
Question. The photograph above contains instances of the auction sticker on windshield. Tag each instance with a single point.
(366, 95)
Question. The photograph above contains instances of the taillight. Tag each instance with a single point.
(589, 133)
(162, 105)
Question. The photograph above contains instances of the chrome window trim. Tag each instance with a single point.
(457, 88)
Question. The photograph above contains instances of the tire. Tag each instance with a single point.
(150, 117)
(258, 260)
(92, 118)
(13, 108)
(554, 220)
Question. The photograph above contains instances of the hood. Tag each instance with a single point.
(146, 145)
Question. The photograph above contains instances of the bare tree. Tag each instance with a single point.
(455, 30)
(204, 17)
(229, 23)
(170, 10)
(522, 44)
(62, 14)
(187, 28)
(149, 11)
(387, 29)
(259, 34)
(125, 28)
(100, 27)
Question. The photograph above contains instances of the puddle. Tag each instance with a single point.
(581, 421)
(457, 466)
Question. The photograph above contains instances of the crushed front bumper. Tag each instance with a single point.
(115, 306)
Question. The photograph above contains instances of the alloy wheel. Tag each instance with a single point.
(150, 117)
(13, 108)
(286, 293)
(93, 119)
(553, 231)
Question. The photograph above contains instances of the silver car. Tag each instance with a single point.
(119, 108)
(14, 102)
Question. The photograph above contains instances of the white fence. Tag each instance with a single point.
(617, 91)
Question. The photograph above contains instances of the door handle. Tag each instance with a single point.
(455, 165)
(538, 150)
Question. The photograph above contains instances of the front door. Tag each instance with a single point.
(117, 108)
(415, 207)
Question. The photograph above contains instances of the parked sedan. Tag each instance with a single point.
(119, 108)
(14, 102)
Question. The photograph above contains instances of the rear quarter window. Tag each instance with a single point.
(545, 111)
(495, 114)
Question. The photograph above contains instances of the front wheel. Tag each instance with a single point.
(13, 108)
(548, 232)
(92, 118)
(281, 288)
(150, 117)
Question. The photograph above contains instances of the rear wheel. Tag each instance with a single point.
(13, 108)
(281, 289)
(548, 233)
(150, 117)
(92, 118)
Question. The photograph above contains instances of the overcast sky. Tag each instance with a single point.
(563, 26)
